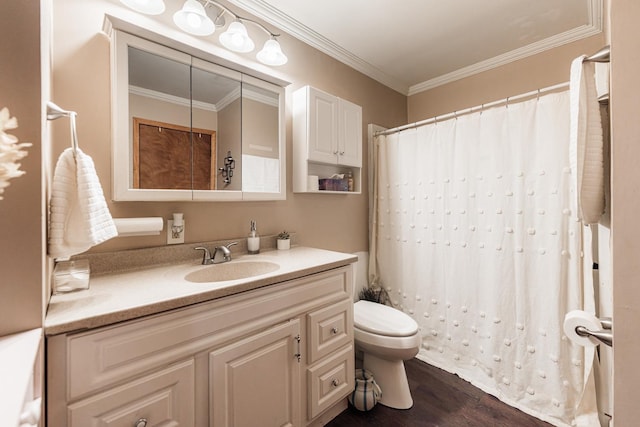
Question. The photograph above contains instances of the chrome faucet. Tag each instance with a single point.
(207, 259)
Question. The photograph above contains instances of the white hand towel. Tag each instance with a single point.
(586, 146)
(79, 217)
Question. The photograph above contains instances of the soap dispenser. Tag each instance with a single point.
(253, 241)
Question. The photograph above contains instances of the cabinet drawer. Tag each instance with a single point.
(329, 381)
(329, 328)
(163, 398)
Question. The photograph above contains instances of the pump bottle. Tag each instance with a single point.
(253, 241)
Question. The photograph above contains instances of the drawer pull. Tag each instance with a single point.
(335, 382)
(334, 330)
(142, 422)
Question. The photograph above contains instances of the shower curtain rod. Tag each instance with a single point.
(456, 114)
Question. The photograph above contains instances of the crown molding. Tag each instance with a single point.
(172, 99)
(220, 105)
(594, 27)
(284, 22)
(305, 34)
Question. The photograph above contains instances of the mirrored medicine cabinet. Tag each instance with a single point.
(187, 129)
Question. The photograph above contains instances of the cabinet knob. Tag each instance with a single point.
(142, 422)
(335, 152)
(342, 153)
(335, 382)
(334, 330)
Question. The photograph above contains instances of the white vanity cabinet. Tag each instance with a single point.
(273, 356)
(327, 134)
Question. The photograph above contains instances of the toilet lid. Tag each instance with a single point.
(383, 320)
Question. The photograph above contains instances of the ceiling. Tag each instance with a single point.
(414, 45)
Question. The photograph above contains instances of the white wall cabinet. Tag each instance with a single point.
(327, 137)
(281, 355)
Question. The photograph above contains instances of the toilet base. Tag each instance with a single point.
(392, 379)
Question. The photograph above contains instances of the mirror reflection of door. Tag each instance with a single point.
(215, 104)
(182, 104)
(163, 154)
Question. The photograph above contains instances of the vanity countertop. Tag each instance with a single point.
(117, 297)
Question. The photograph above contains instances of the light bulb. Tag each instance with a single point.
(271, 53)
(193, 20)
(236, 38)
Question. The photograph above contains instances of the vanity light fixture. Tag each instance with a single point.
(148, 7)
(192, 18)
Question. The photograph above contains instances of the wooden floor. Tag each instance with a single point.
(440, 399)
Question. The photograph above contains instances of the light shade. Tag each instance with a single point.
(193, 19)
(149, 7)
(271, 53)
(236, 38)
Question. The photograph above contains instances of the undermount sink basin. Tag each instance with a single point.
(231, 271)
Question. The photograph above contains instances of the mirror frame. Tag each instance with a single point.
(121, 160)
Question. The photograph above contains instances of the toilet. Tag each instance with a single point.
(387, 337)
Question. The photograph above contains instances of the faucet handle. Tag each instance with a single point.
(231, 244)
(206, 255)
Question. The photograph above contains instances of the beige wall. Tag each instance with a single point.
(81, 82)
(625, 155)
(535, 72)
(161, 111)
(22, 268)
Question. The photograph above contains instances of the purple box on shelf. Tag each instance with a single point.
(333, 184)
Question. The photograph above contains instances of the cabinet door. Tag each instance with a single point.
(256, 381)
(323, 126)
(164, 398)
(349, 134)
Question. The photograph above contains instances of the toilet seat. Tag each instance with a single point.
(383, 320)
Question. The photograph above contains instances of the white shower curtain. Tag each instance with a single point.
(474, 238)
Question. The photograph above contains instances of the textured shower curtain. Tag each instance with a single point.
(473, 237)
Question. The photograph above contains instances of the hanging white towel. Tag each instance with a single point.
(79, 216)
(586, 144)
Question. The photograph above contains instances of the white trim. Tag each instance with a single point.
(275, 17)
(259, 97)
(228, 99)
(178, 100)
(514, 55)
